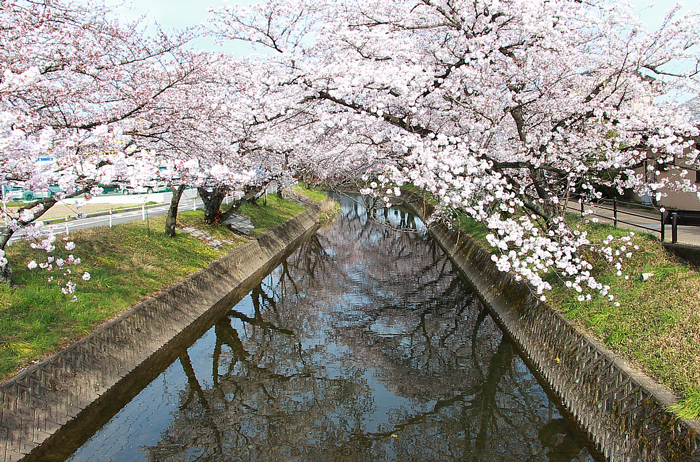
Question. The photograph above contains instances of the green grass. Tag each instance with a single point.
(269, 212)
(126, 266)
(657, 325)
(478, 231)
(689, 408)
(312, 193)
(127, 263)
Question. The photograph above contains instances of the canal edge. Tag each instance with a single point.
(39, 401)
(621, 409)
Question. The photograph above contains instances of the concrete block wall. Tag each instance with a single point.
(40, 401)
(622, 410)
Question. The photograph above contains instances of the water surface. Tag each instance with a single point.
(363, 345)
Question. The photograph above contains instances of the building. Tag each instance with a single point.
(673, 199)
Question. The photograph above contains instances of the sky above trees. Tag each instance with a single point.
(178, 14)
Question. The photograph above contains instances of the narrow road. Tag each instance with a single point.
(117, 217)
(639, 221)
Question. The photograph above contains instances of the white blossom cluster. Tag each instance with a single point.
(54, 264)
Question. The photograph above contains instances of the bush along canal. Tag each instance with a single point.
(363, 344)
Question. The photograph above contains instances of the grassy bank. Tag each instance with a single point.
(656, 326)
(260, 215)
(127, 264)
(313, 194)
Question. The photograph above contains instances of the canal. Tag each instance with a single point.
(363, 345)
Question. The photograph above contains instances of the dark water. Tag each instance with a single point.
(363, 345)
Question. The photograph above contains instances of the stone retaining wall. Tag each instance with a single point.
(621, 409)
(40, 401)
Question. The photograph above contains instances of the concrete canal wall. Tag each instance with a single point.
(621, 409)
(116, 360)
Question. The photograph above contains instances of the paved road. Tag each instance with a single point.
(641, 221)
(118, 217)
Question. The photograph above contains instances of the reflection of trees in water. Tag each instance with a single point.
(290, 380)
(265, 401)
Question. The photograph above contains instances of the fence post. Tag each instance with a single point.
(614, 212)
(194, 204)
(110, 218)
(67, 232)
(674, 228)
(663, 225)
(143, 212)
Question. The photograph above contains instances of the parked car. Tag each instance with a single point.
(114, 188)
(148, 188)
(126, 188)
(29, 195)
(12, 193)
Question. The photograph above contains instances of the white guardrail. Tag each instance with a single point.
(63, 225)
(110, 213)
(109, 217)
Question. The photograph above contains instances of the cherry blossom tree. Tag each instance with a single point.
(109, 103)
(227, 134)
(75, 88)
(500, 109)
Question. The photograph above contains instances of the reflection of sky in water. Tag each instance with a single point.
(378, 376)
(389, 328)
(144, 419)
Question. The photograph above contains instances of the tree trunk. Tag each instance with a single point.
(6, 273)
(249, 195)
(212, 202)
(171, 219)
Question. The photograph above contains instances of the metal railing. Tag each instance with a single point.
(101, 213)
(68, 218)
(631, 209)
(55, 223)
(654, 214)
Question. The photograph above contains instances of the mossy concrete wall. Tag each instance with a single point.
(622, 410)
(116, 360)
(689, 253)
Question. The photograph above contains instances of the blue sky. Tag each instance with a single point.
(654, 15)
(178, 14)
